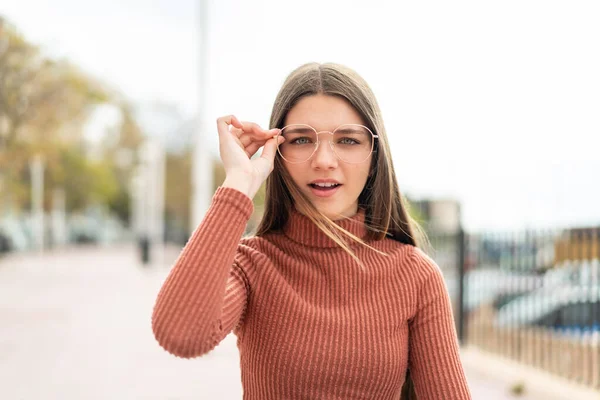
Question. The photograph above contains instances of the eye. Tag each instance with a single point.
(301, 140)
(348, 141)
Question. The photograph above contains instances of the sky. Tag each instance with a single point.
(495, 104)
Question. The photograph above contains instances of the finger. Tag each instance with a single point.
(247, 138)
(253, 148)
(270, 149)
(236, 131)
(250, 127)
(223, 124)
(236, 122)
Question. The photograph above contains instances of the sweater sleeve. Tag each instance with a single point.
(434, 358)
(204, 296)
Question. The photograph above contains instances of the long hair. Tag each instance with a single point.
(386, 213)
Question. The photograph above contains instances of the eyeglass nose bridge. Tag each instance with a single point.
(330, 145)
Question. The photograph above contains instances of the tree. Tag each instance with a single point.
(178, 192)
(43, 106)
(121, 156)
(85, 181)
(39, 96)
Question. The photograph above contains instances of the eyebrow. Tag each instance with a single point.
(306, 127)
(300, 129)
(356, 130)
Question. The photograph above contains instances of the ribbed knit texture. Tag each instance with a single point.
(310, 323)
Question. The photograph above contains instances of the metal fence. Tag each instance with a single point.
(531, 296)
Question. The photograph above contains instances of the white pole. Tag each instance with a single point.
(202, 180)
(153, 198)
(136, 190)
(37, 201)
(59, 223)
(159, 176)
(144, 199)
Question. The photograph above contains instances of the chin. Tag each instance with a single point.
(333, 213)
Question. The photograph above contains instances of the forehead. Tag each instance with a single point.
(323, 112)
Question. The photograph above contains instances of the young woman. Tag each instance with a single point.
(332, 298)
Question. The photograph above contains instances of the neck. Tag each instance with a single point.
(302, 230)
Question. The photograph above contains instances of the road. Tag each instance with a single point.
(76, 325)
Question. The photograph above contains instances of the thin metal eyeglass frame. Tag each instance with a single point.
(331, 145)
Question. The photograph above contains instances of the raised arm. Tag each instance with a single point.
(205, 294)
(434, 358)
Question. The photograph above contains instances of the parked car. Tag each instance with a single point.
(5, 243)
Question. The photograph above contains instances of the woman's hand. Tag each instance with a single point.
(238, 142)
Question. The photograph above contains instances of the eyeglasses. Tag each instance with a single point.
(351, 143)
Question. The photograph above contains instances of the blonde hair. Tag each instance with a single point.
(385, 208)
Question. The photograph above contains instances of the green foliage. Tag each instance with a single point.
(44, 104)
(84, 181)
(120, 204)
(120, 153)
(414, 212)
(178, 188)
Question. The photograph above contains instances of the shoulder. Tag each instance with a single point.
(423, 263)
(421, 266)
(429, 278)
(263, 243)
(407, 253)
(255, 249)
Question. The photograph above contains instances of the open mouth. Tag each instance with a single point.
(324, 186)
(326, 189)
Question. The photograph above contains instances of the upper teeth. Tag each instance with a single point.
(328, 184)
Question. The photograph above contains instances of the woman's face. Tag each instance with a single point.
(326, 113)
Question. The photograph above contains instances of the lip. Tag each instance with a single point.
(324, 181)
(324, 192)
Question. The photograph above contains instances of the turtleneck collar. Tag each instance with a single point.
(301, 229)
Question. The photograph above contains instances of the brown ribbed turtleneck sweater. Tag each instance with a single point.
(310, 323)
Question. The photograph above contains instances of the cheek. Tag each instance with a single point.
(363, 170)
(296, 172)
(357, 176)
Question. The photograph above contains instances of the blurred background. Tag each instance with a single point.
(109, 159)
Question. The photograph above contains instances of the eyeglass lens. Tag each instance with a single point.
(351, 143)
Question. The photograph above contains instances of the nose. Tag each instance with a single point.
(324, 158)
